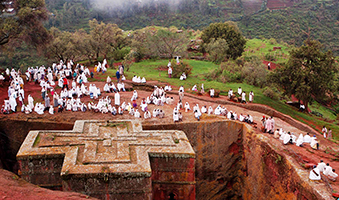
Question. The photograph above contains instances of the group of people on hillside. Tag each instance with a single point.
(325, 170)
(326, 133)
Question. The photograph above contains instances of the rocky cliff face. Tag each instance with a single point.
(233, 161)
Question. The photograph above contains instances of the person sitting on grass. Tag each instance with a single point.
(183, 76)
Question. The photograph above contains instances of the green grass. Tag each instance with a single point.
(259, 48)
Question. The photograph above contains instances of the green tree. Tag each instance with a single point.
(82, 44)
(309, 72)
(230, 33)
(167, 42)
(217, 50)
(26, 24)
(62, 46)
(106, 37)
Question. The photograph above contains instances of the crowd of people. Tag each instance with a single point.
(74, 84)
(287, 138)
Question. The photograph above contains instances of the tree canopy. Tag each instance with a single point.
(230, 33)
(167, 42)
(25, 23)
(309, 73)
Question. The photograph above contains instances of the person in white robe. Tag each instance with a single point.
(107, 88)
(202, 91)
(307, 138)
(204, 109)
(175, 117)
(195, 88)
(108, 80)
(327, 169)
(51, 110)
(155, 113)
(30, 102)
(217, 111)
(241, 117)
(197, 115)
(134, 79)
(230, 93)
(123, 78)
(212, 92)
(300, 140)
(12, 102)
(243, 97)
(235, 116)
(143, 80)
(287, 138)
(282, 135)
(314, 143)
(315, 174)
(120, 110)
(229, 115)
(294, 138)
(117, 99)
(143, 106)
(332, 175)
(40, 109)
(183, 76)
(135, 94)
(250, 96)
(239, 91)
(321, 166)
(324, 131)
(168, 88)
(210, 110)
(187, 107)
(137, 114)
(250, 119)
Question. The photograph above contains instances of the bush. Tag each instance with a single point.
(269, 57)
(254, 72)
(177, 70)
(119, 54)
(271, 92)
(272, 41)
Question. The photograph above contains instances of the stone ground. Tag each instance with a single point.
(13, 187)
(303, 156)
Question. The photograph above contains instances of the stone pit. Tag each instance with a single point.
(111, 160)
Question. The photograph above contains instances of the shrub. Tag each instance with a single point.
(254, 72)
(177, 70)
(271, 92)
(269, 57)
(119, 54)
(272, 41)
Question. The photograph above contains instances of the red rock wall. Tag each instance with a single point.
(219, 157)
(173, 175)
(44, 172)
(109, 187)
(270, 174)
(14, 133)
(233, 163)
